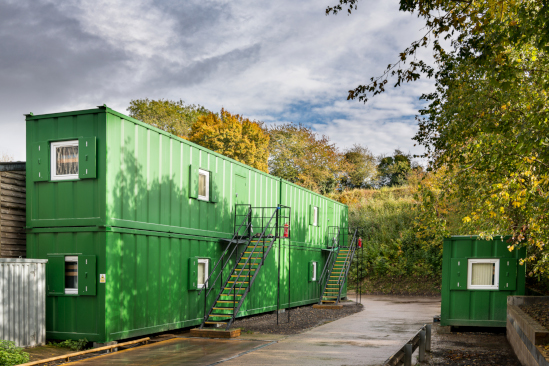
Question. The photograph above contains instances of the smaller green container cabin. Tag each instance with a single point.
(477, 277)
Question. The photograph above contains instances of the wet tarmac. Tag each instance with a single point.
(368, 337)
(177, 351)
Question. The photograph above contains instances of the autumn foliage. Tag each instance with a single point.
(233, 136)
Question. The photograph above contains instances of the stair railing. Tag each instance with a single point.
(234, 244)
(348, 260)
(329, 265)
(265, 254)
(233, 288)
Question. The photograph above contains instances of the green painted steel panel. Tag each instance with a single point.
(87, 155)
(193, 273)
(55, 270)
(87, 275)
(458, 274)
(193, 181)
(508, 274)
(480, 307)
(40, 164)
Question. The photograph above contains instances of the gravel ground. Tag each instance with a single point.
(538, 311)
(301, 319)
(471, 346)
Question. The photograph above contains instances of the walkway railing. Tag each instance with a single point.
(421, 340)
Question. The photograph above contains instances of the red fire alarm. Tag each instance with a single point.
(286, 230)
(360, 242)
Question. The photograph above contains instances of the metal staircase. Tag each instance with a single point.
(336, 270)
(269, 221)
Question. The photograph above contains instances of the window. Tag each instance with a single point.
(203, 185)
(64, 160)
(202, 272)
(71, 275)
(314, 271)
(483, 274)
(315, 216)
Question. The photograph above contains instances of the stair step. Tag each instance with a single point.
(253, 264)
(225, 302)
(230, 294)
(224, 323)
(227, 308)
(244, 269)
(327, 301)
(238, 282)
(230, 288)
(220, 316)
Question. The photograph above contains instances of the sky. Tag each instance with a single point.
(273, 61)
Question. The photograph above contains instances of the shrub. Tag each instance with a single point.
(78, 345)
(11, 355)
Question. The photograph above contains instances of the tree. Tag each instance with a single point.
(361, 167)
(233, 136)
(393, 170)
(301, 156)
(487, 121)
(174, 117)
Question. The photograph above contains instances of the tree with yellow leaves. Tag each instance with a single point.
(233, 136)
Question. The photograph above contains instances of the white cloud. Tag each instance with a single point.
(273, 61)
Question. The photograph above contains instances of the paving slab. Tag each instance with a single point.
(177, 351)
(365, 338)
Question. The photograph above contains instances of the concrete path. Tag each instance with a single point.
(365, 338)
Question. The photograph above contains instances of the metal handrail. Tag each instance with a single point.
(348, 259)
(331, 254)
(330, 262)
(223, 255)
(233, 287)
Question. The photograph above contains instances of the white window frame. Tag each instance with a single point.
(72, 291)
(314, 270)
(53, 160)
(207, 175)
(206, 262)
(470, 286)
(315, 216)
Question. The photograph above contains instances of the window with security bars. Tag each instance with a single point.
(202, 272)
(203, 185)
(483, 274)
(64, 160)
(71, 275)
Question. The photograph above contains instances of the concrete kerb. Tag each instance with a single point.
(524, 333)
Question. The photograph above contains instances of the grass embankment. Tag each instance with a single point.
(392, 261)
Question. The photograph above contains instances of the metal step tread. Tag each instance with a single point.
(224, 323)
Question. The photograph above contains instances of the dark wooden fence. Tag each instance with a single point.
(12, 210)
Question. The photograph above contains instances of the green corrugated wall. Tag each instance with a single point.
(137, 218)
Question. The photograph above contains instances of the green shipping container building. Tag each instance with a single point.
(133, 220)
(477, 277)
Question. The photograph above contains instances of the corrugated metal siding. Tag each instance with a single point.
(12, 214)
(148, 182)
(73, 317)
(66, 203)
(22, 301)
